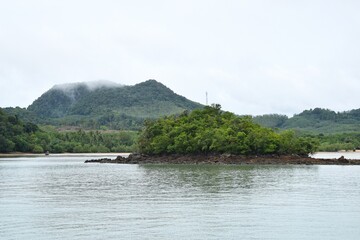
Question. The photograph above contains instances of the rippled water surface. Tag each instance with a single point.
(63, 198)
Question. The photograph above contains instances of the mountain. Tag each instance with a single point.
(59, 100)
(105, 104)
(316, 120)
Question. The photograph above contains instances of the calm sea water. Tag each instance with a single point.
(63, 198)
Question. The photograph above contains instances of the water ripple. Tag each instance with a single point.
(66, 199)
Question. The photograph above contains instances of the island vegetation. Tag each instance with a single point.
(213, 136)
(211, 130)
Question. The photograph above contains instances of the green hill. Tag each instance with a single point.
(109, 105)
(315, 121)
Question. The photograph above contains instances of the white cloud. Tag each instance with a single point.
(252, 57)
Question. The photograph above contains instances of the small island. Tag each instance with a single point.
(213, 136)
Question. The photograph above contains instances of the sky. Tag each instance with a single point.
(251, 56)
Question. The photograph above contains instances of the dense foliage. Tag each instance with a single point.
(126, 108)
(341, 141)
(87, 142)
(14, 134)
(315, 121)
(17, 136)
(271, 120)
(214, 131)
(115, 107)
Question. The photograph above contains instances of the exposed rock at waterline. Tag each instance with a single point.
(224, 159)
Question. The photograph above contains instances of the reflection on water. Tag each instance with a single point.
(63, 198)
(221, 178)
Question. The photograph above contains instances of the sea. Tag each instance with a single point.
(61, 197)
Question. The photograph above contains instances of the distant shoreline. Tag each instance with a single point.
(346, 154)
(19, 154)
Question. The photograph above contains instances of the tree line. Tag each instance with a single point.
(201, 131)
(19, 136)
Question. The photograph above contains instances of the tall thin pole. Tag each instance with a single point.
(206, 98)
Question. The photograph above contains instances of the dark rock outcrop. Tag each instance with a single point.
(136, 158)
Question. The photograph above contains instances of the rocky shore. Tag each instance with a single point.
(223, 159)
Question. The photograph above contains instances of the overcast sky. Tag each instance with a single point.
(251, 56)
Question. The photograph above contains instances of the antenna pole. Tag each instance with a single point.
(206, 98)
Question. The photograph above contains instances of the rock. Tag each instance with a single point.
(342, 159)
(136, 156)
(102, 160)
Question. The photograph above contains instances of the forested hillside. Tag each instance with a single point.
(109, 106)
(315, 121)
